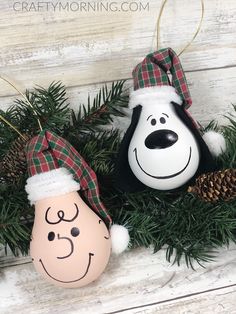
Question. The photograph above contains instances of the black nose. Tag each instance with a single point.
(161, 139)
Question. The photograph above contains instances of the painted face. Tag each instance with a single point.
(70, 244)
(163, 154)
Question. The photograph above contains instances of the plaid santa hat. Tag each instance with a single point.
(56, 168)
(151, 81)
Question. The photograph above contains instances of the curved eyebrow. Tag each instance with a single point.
(61, 215)
(149, 117)
(165, 114)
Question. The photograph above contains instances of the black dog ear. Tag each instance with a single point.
(124, 179)
(207, 163)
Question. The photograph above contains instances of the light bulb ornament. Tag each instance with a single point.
(162, 148)
(73, 235)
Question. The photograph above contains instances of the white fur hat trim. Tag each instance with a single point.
(119, 238)
(52, 183)
(215, 142)
(153, 95)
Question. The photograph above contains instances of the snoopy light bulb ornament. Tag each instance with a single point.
(71, 238)
(162, 148)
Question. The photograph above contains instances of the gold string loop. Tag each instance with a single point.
(195, 34)
(12, 126)
(26, 99)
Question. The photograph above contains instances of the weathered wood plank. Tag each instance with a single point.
(217, 301)
(134, 279)
(213, 92)
(82, 48)
(8, 259)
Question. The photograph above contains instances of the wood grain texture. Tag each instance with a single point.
(213, 93)
(87, 48)
(137, 278)
(217, 301)
(8, 259)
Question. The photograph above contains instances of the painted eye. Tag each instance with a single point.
(51, 236)
(153, 122)
(162, 120)
(75, 232)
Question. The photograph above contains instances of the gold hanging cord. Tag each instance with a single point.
(12, 126)
(195, 34)
(27, 101)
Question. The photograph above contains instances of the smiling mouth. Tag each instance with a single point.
(87, 269)
(164, 177)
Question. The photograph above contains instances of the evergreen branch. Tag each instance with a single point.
(107, 103)
(49, 104)
(191, 229)
(98, 149)
(228, 159)
(14, 228)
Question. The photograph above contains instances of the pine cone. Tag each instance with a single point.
(216, 186)
(13, 165)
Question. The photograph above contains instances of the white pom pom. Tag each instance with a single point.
(215, 142)
(119, 238)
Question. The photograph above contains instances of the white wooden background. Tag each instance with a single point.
(84, 50)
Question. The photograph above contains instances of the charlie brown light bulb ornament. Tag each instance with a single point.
(70, 246)
(71, 239)
(162, 147)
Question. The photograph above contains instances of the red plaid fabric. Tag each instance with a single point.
(47, 151)
(152, 71)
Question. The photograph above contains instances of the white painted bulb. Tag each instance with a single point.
(163, 153)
